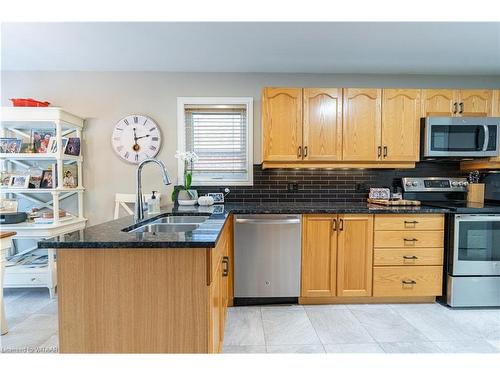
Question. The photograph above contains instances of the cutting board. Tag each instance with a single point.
(400, 202)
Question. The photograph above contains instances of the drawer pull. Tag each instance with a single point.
(410, 239)
(409, 257)
(408, 282)
(414, 222)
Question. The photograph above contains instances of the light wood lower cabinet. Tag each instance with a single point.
(319, 256)
(354, 258)
(219, 290)
(409, 222)
(408, 255)
(405, 281)
(337, 255)
(409, 239)
(144, 300)
(372, 258)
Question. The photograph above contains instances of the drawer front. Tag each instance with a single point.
(409, 222)
(25, 279)
(417, 281)
(408, 256)
(409, 239)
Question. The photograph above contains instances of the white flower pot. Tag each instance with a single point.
(185, 199)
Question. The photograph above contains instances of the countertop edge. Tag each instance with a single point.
(229, 212)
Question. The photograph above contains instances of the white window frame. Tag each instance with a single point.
(181, 136)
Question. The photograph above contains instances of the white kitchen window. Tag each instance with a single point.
(220, 132)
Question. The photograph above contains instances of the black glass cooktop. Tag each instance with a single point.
(466, 207)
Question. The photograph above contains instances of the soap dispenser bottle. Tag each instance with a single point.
(153, 204)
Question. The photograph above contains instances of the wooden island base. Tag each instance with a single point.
(144, 300)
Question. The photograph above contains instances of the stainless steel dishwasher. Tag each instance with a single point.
(267, 258)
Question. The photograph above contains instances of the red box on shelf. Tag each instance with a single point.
(20, 102)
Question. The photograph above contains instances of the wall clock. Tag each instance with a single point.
(136, 138)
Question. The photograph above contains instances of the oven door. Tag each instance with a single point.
(476, 245)
(461, 136)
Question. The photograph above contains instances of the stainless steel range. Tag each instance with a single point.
(472, 244)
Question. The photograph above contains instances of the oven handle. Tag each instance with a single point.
(485, 217)
(486, 137)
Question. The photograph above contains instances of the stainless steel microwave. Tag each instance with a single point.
(460, 137)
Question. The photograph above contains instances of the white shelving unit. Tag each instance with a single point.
(18, 122)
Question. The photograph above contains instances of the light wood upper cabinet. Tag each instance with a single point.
(322, 124)
(355, 255)
(439, 102)
(282, 124)
(445, 102)
(362, 124)
(496, 103)
(401, 112)
(475, 103)
(319, 256)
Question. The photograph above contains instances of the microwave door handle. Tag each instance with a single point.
(486, 137)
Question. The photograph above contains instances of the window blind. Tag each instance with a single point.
(218, 135)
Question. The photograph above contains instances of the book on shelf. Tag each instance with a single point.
(28, 260)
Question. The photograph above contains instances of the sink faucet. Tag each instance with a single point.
(139, 204)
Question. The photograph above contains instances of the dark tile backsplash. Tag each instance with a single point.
(321, 185)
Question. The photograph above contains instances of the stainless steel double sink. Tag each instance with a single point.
(171, 224)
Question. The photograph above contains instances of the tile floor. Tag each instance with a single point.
(406, 328)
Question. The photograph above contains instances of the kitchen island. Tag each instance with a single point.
(122, 291)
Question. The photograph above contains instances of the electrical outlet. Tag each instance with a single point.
(292, 187)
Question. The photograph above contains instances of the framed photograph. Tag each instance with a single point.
(73, 147)
(4, 179)
(70, 176)
(35, 182)
(19, 181)
(10, 145)
(40, 139)
(47, 181)
(218, 197)
(52, 147)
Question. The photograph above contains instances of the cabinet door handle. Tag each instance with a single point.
(455, 108)
(408, 282)
(225, 270)
(461, 108)
(385, 151)
(341, 224)
(299, 152)
(409, 257)
(379, 151)
(334, 225)
(305, 151)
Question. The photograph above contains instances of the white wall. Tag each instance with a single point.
(104, 97)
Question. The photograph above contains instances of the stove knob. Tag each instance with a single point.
(415, 183)
(454, 184)
(408, 183)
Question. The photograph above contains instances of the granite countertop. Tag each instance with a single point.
(112, 234)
